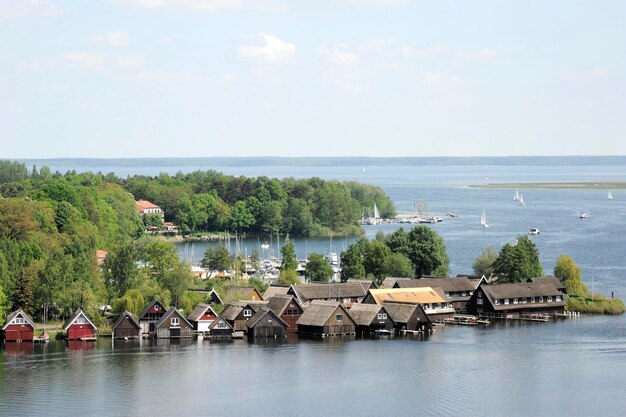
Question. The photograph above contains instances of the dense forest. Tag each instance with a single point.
(51, 225)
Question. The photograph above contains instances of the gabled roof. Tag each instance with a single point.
(557, 283)
(402, 312)
(279, 303)
(233, 308)
(211, 293)
(423, 295)
(219, 320)
(149, 306)
(73, 318)
(14, 314)
(543, 288)
(448, 284)
(259, 315)
(234, 290)
(318, 313)
(310, 292)
(274, 289)
(365, 283)
(131, 316)
(364, 314)
(169, 312)
(145, 204)
(199, 312)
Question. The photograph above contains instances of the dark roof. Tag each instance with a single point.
(149, 306)
(448, 284)
(318, 313)
(279, 303)
(131, 316)
(364, 314)
(218, 320)
(14, 314)
(365, 283)
(258, 316)
(557, 283)
(169, 312)
(212, 293)
(74, 316)
(543, 288)
(233, 308)
(199, 312)
(326, 291)
(402, 312)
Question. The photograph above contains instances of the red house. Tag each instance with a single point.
(79, 327)
(19, 327)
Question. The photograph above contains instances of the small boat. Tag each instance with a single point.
(521, 200)
(382, 332)
(43, 338)
(534, 231)
(583, 215)
(610, 196)
(483, 220)
(265, 246)
(516, 196)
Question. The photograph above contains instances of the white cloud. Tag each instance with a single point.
(481, 55)
(425, 53)
(128, 62)
(206, 6)
(115, 39)
(584, 76)
(437, 79)
(85, 59)
(339, 55)
(274, 50)
(28, 8)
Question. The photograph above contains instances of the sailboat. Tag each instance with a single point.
(483, 220)
(516, 197)
(610, 196)
(376, 214)
(521, 200)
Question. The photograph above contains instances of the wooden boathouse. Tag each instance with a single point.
(80, 327)
(19, 327)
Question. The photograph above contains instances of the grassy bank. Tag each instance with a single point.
(595, 304)
(607, 185)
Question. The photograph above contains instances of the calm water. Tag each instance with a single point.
(572, 367)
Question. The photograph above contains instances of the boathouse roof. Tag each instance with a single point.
(16, 313)
(131, 317)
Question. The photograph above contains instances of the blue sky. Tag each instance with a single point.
(157, 78)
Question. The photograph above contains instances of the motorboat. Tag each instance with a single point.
(583, 215)
(534, 231)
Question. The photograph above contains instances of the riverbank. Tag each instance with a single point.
(603, 185)
(595, 304)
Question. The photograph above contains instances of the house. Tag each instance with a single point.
(287, 308)
(409, 317)
(173, 325)
(557, 283)
(370, 318)
(540, 297)
(201, 317)
(145, 207)
(345, 293)
(19, 327)
(220, 328)
(149, 316)
(126, 326)
(275, 289)
(79, 327)
(234, 292)
(101, 255)
(265, 323)
(238, 313)
(458, 290)
(325, 318)
(433, 300)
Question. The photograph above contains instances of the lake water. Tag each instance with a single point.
(573, 367)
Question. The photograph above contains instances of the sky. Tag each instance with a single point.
(194, 78)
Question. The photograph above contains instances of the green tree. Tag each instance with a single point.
(132, 301)
(160, 256)
(120, 269)
(289, 277)
(240, 216)
(153, 221)
(568, 272)
(4, 306)
(297, 218)
(177, 280)
(217, 259)
(288, 253)
(427, 252)
(526, 245)
(398, 242)
(318, 269)
(375, 258)
(519, 262)
(396, 265)
(352, 263)
(484, 263)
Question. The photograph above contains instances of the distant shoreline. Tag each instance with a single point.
(596, 185)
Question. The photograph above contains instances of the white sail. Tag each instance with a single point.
(483, 220)
(516, 197)
(610, 196)
(376, 214)
(521, 200)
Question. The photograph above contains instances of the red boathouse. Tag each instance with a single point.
(79, 327)
(19, 327)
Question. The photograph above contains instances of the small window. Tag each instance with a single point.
(80, 320)
(506, 301)
(541, 299)
(515, 301)
(549, 298)
(175, 321)
(496, 301)
(524, 300)
(247, 312)
(480, 294)
(359, 299)
(339, 317)
(559, 298)
(532, 299)
(479, 301)
(380, 316)
(221, 325)
(384, 316)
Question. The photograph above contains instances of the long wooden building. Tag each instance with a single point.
(326, 318)
(540, 297)
(433, 300)
(458, 290)
(345, 293)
